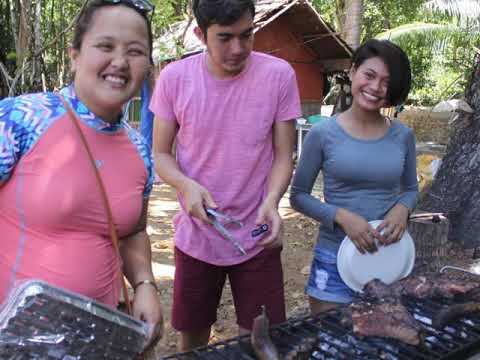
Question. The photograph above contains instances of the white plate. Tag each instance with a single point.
(389, 264)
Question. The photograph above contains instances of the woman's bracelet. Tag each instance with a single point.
(147, 282)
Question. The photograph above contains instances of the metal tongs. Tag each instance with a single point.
(456, 268)
(219, 221)
(433, 217)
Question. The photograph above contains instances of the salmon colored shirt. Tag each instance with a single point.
(53, 224)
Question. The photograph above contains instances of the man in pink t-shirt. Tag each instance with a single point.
(230, 111)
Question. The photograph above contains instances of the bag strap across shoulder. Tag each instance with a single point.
(106, 203)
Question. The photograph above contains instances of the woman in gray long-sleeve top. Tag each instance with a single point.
(369, 170)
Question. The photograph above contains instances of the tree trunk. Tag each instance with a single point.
(23, 32)
(37, 27)
(455, 190)
(340, 11)
(352, 29)
(13, 7)
(430, 234)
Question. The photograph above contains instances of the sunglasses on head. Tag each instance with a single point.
(144, 6)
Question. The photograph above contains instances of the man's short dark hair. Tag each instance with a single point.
(221, 12)
(397, 63)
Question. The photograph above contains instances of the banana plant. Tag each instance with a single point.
(442, 48)
(457, 20)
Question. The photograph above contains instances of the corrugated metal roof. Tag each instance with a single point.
(263, 7)
(168, 45)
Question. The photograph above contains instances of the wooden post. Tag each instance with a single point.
(430, 234)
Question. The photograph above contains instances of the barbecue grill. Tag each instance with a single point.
(333, 341)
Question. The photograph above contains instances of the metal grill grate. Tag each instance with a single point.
(335, 342)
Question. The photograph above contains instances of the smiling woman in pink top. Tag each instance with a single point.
(53, 223)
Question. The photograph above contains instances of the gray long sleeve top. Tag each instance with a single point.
(367, 177)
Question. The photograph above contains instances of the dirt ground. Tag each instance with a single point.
(299, 235)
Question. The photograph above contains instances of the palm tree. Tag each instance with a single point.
(464, 22)
(446, 45)
(457, 8)
(465, 12)
(352, 28)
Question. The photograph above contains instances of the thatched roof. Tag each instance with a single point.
(302, 16)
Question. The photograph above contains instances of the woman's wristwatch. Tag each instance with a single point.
(146, 282)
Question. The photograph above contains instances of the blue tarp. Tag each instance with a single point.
(312, 119)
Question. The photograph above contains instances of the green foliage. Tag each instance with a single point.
(52, 62)
(439, 37)
(327, 9)
(451, 56)
(11, 56)
(166, 14)
(379, 15)
(441, 56)
(386, 14)
(460, 9)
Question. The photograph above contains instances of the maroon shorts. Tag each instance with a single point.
(197, 290)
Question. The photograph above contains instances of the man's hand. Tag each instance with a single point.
(394, 224)
(147, 308)
(358, 230)
(268, 214)
(196, 198)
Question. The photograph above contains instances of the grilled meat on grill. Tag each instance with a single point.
(260, 338)
(299, 348)
(435, 286)
(420, 287)
(386, 318)
(453, 312)
(377, 289)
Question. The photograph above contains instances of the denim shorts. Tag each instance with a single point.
(324, 282)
